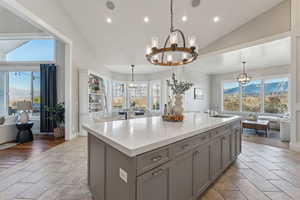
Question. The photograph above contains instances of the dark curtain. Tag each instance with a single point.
(48, 95)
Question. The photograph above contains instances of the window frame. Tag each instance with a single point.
(155, 82)
(138, 83)
(7, 85)
(262, 109)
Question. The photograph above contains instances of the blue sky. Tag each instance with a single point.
(34, 50)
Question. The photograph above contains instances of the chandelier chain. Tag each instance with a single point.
(172, 23)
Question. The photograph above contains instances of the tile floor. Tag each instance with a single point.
(261, 173)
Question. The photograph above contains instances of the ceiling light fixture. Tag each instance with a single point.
(216, 19)
(132, 85)
(195, 3)
(146, 19)
(108, 20)
(243, 78)
(172, 53)
(184, 18)
(110, 5)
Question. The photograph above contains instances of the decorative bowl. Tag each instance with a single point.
(173, 118)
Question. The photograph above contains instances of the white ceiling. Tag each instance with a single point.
(123, 42)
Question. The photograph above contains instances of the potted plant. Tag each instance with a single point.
(57, 114)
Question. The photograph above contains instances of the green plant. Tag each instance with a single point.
(57, 113)
(178, 87)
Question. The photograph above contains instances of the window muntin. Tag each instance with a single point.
(231, 96)
(251, 101)
(276, 95)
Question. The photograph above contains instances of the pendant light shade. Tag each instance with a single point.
(243, 78)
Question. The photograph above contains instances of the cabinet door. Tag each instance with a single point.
(226, 151)
(154, 184)
(181, 178)
(238, 141)
(233, 145)
(96, 167)
(201, 168)
(216, 154)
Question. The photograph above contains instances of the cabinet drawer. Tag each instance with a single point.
(189, 144)
(148, 161)
(219, 131)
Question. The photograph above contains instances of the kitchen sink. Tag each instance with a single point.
(222, 116)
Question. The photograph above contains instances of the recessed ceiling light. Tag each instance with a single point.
(146, 19)
(108, 20)
(216, 19)
(184, 18)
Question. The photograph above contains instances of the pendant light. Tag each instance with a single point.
(132, 84)
(243, 78)
(175, 51)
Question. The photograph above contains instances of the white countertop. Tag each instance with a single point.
(137, 136)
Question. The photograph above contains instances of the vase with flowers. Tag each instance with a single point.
(178, 89)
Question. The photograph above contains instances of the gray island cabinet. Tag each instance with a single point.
(180, 170)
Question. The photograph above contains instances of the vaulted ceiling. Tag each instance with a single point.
(123, 41)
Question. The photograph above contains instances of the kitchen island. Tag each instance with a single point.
(149, 159)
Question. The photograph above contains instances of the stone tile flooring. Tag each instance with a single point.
(261, 173)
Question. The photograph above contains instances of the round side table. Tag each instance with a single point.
(24, 132)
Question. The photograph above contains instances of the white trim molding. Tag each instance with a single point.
(295, 146)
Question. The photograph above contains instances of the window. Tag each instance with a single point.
(2, 93)
(36, 93)
(156, 96)
(265, 96)
(118, 95)
(231, 96)
(23, 86)
(251, 97)
(137, 95)
(276, 95)
(30, 50)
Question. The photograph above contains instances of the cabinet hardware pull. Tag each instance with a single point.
(156, 159)
(185, 146)
(203, 138)
(157, 172)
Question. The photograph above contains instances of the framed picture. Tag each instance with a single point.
(198, 94)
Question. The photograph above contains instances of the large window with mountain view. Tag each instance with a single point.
(231, 96)
(276, 95)
(268, 95)
(251, 101)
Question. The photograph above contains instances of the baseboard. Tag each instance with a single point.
(295, 146)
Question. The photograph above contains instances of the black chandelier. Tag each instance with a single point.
(172, 53)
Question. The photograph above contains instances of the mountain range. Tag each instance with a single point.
(253, 89)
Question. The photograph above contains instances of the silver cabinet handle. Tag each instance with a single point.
(203, 138)
(156, 173)
(156, 159)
